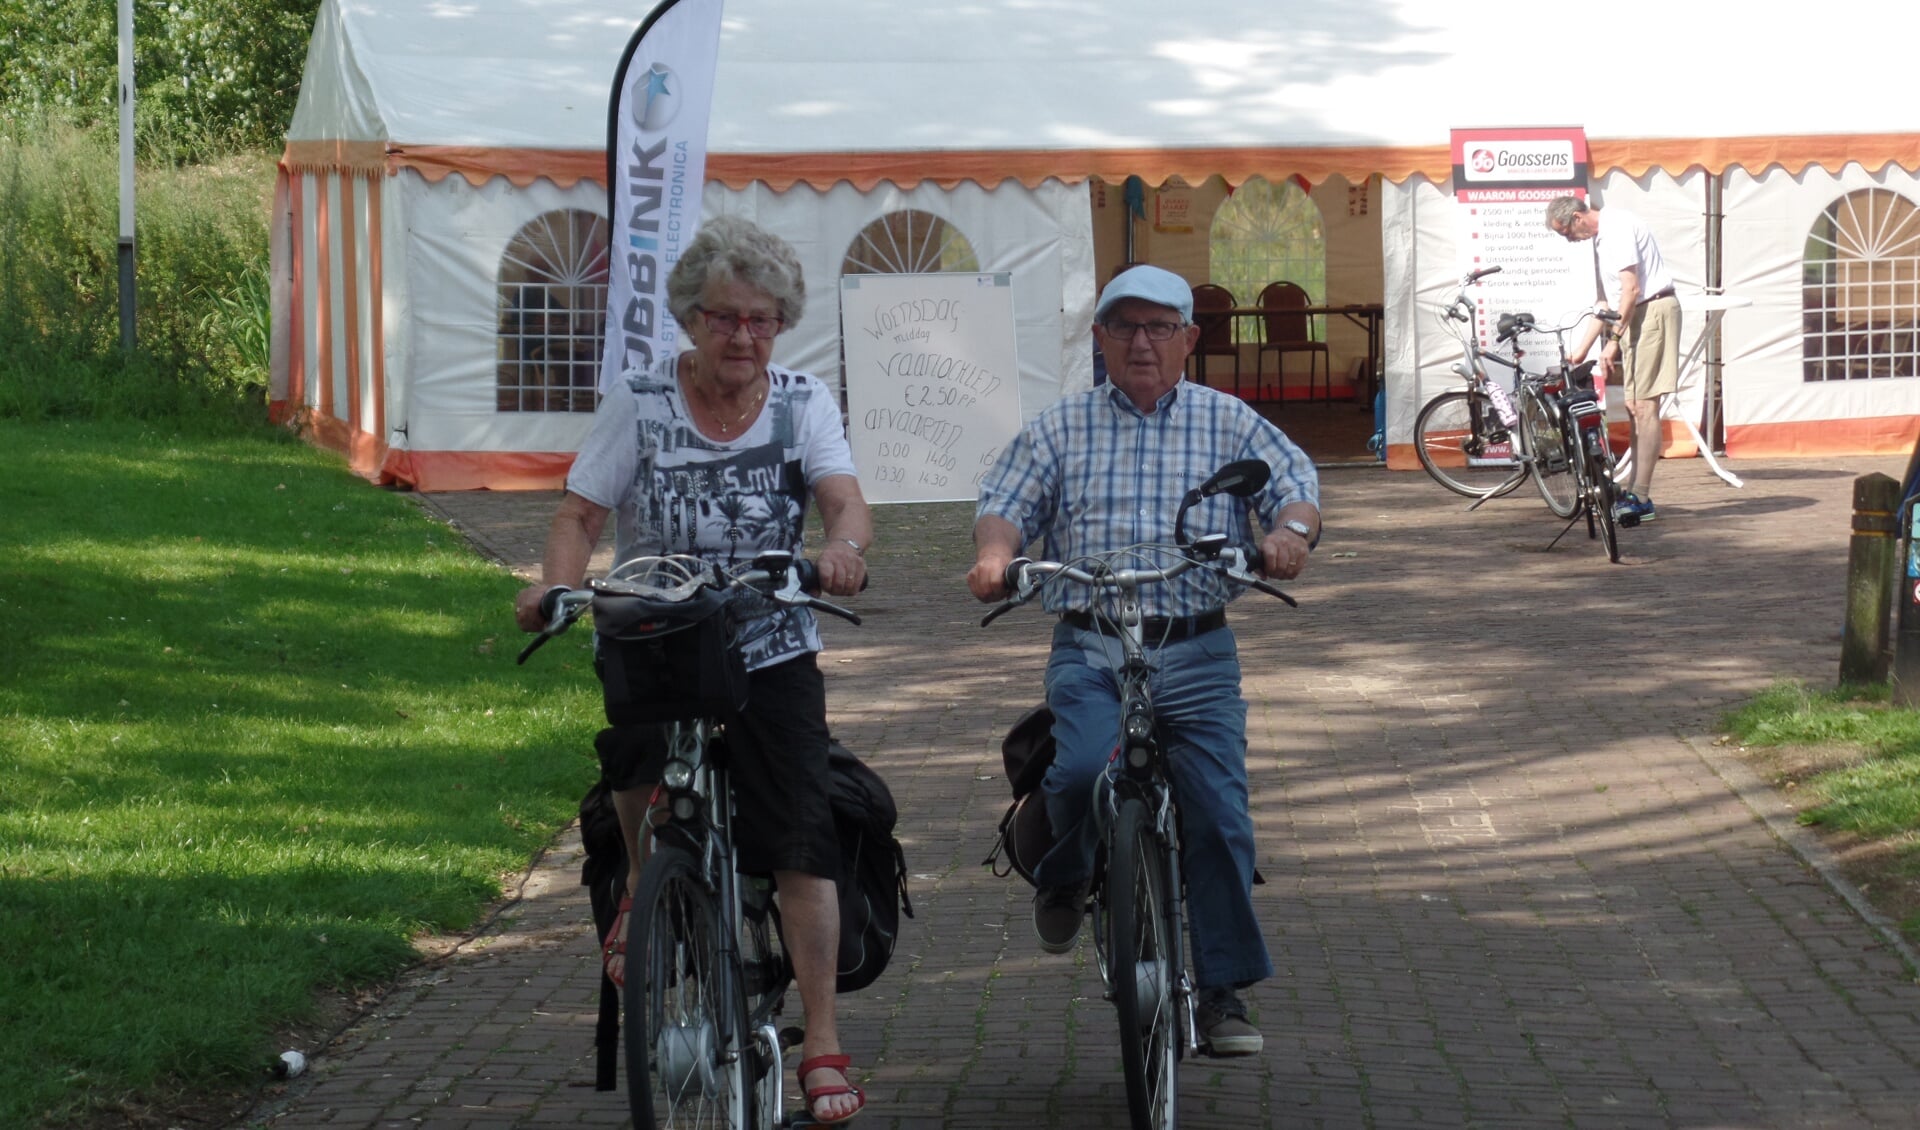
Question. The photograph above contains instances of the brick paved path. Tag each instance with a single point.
(1506, 885)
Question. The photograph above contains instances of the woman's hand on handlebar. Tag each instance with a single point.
(527, 610)
(842, 570)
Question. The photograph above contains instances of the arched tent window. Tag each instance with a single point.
(552, 311)
(1264, 233)
(1861, 293)
(909, 242)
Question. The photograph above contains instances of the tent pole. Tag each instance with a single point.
(1711, 426)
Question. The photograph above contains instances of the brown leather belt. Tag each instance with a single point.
(1153, 629)
(1667, 293)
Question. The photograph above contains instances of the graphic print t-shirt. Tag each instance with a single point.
(674, 490)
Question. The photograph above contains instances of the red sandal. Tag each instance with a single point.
(615, 944)
(838, 1063)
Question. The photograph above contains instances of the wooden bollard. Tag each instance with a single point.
(1870, 580)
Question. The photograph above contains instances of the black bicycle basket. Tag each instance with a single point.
(668, 661)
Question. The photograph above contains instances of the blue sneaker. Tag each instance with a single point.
(1632, 510)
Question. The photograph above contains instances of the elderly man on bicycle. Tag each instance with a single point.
(1096, 472)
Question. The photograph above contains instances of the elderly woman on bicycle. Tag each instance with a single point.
(715, 453)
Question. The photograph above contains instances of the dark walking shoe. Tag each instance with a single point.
(1225, 1031)
(1632, 510)
(1057, 912)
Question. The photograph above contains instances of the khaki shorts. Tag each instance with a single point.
(1650, 356)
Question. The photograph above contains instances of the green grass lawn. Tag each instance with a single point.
(260, 726)
(1850, 762)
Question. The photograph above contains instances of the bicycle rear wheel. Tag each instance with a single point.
(1602, 493)
(684, 1021)
(1552, 466)
(1144, 967)
(1461, 444)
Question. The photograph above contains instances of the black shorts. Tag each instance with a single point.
(776, 750)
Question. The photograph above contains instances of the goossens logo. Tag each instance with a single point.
(1521, 161)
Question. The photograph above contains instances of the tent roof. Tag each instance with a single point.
(869, 90)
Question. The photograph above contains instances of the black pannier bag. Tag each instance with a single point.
(668, 661)
(1025, 832)
(604, 874)
(873, 869)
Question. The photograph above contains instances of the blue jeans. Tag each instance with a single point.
(1203, 729)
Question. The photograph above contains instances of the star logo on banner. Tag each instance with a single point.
(656, 98)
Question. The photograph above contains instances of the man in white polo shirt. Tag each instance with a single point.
(1644, 344)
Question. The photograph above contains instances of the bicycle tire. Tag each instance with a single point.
(1144, 967)
(1602, 492)
(1551, 466)
(684, 1018)
(1451, 432)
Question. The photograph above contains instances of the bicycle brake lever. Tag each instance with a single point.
(999, 610)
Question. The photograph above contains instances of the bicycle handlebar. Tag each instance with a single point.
(778, 576)
(1026, 577)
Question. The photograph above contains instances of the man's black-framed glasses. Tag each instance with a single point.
(1156, 331)
(762, 326)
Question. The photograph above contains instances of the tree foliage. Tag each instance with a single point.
(208, 74)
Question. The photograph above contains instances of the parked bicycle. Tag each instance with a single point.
(1575, 409)
(707, 974)
(1480, 441)
(1138, 893)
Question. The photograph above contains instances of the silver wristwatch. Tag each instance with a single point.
(1297, 526)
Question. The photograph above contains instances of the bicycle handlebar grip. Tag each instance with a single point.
(1011, 578)
(550, 601)
(543, 637)
(1484, 272)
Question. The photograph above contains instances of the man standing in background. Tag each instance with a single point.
(1631, 277)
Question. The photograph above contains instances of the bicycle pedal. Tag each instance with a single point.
(1628, 522)
(791, 1037)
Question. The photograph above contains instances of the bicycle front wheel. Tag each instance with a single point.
(1552, 466)
(1145, 966)
(1461, 444)
(685, 1026)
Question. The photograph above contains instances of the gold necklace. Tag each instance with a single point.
(727, 426)
(721, 424)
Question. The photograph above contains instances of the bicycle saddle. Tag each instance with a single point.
(1511, 325)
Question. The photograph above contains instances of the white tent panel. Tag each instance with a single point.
(1769, 220)
(456, 235)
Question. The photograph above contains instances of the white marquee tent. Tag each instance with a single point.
(428, 136)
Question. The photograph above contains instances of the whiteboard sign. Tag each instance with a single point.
(933, 381)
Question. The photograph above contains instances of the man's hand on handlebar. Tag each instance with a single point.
(1283, 554)
(987, 580)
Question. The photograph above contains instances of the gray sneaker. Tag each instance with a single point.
(1057, 912)
(1224, 1029)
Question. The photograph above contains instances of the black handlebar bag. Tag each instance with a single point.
(668, 661)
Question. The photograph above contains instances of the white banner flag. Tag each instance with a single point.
(656, 167)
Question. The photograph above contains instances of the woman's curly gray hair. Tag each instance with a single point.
(732, 249)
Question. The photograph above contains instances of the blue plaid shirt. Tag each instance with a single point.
(1093, 474)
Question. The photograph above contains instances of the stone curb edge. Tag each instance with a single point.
(1777, 815)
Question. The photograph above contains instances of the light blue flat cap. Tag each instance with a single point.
(1149, 284)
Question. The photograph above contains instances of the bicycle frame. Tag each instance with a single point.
(698, 795)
